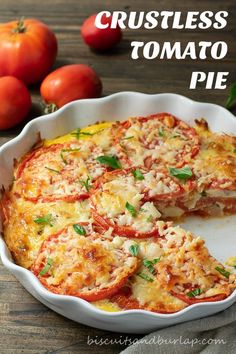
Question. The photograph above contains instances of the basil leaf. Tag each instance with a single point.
(149, 264)
(79, 229)
(134, 249)
(44, 220)
(234, 151)
(131, 209)
(138, 174)
(145, 277)
(222, 271)
(67, 150)
(194, 292)
(46, 267)
(181, 173)
(111, 161)
(86, 184)
(232, 96)
(52, 169)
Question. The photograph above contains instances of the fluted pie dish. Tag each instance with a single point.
(91, 203)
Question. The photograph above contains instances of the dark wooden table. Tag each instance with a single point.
(26, 326)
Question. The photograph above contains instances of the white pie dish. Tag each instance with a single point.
(218, 233)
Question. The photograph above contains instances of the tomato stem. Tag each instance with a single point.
(20, 27)
(50, 108)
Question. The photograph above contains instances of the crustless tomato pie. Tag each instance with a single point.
(91, 213)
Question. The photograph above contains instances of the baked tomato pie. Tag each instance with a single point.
(158, 139)
(90, 213)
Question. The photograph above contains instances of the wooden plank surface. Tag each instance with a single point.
(26, 326)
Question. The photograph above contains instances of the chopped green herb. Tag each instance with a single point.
(232, 96)
(66, 150)
(128, 137)
(150, 218)
(46, 267)
(44, 220)
(203, 194)
(175, 136)
(145, 277)
(234, 151)
(181, 173)
(79, 229)
(138, 174)
(134, 249)
(194, 292)
(149, 264)
(131, 209)
(52, 170)
(78, 133)
(222, 271)
(86, 184)
(161, 132)
(111, 161)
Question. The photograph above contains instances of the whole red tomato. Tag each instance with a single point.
(28, 49)
(100, 39)
(15, 102)
(69, 83)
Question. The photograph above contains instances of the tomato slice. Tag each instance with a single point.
(78, 262)
(187, 270)
(124, 200)
(160, 138)
(59, 172)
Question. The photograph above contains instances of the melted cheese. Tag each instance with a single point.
(217, 158)
(116, 190)
(83, 265)
(24, 236)
(106, 305)
(159, 140)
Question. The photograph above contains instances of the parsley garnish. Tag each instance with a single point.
(46, 267)
(194, 292)
(52, 169)
(44, 220)
(111, 161)
(79, 229)
(128, 137)
(181, 173)
(66, 150)
(134, 249)
(161, 132)
(86, 184)
(131, 209)
(138, 174)
(222, 271)
(78, 133)
(145, 277)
